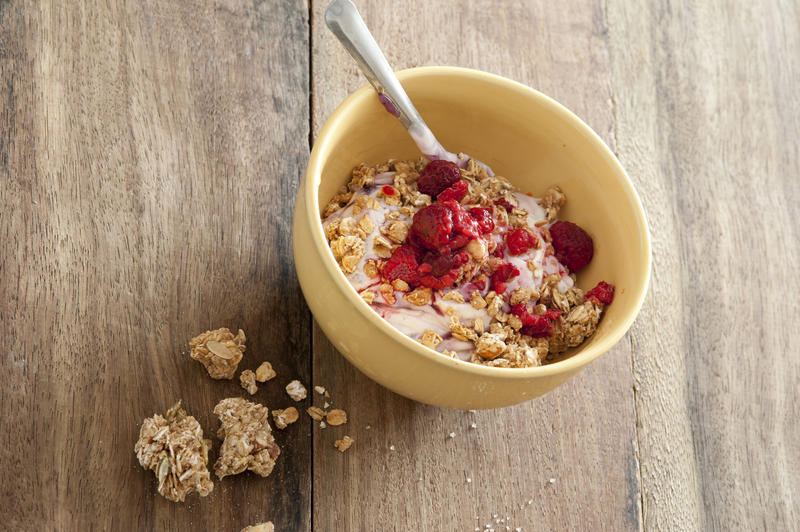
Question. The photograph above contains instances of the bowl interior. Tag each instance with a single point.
(524, 136)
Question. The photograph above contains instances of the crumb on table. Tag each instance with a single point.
(343, 444)
(296, 390)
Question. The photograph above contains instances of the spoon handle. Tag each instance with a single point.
(344, 21)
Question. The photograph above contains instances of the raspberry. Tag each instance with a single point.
(602, 293)
(533, 324)
(455, 192)
(463, 223)
(484, 219)
(480, 284)
(432, 226)
(403, 264)
(574, 248)
(505, 272)
(519, 241)
(445, 269)
(437, 176)
(552, 313)
(441, 264)
(504, 203)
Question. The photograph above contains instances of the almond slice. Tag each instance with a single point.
(219, 349)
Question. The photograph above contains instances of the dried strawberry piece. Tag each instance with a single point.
(432, 226)
(484, 219)
(573, 246)
(456, 192)
(520, 240)
(403, 264)
(602, 293)
(504, 273)
(388, 191)
(437, 176)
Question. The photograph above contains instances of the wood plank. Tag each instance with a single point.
(582, 434)
(149, 157)
(707, 121)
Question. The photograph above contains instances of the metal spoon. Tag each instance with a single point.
(344, 21)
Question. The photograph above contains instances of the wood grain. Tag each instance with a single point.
(582, 434)
(148, 187)
(708, 116)
(150, 153)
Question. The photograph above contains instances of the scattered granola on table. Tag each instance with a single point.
(260, 527)
(296, 390)
(248, 381)
(464, 263)
(247, 438)
(172, 446)
(219, 351)
(285, 417)
(344, 443)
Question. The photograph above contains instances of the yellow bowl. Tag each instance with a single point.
(524, 136)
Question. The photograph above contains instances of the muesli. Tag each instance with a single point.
(464, 263)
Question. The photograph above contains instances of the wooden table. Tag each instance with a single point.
(150, 153)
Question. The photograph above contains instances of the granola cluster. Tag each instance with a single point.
(348, 236)
(219, 351)
(502, 344)
(369, 223)
(172, 446)
(247, 438)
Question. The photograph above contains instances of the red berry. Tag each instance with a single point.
(463, 223)
(441, 264)
(455, 192)
(445, 269)
(533, 324)
(389, 191)
(403, 264)
(484, 219)
(574, 248)
(552, 314)
(504, 203)
(520, 240)
(432, 226)
(425, 268)
(505, 272)
(602, 293)
(539, 328)
(437, 176)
